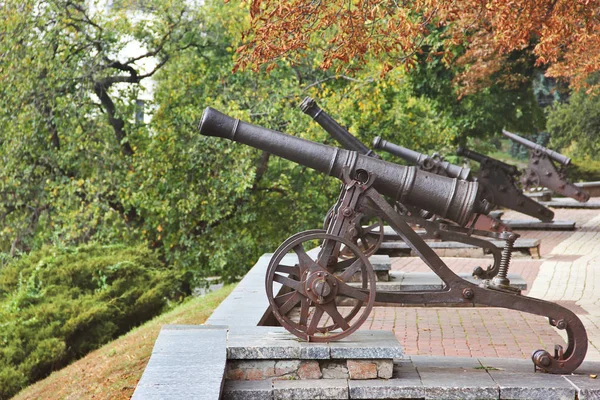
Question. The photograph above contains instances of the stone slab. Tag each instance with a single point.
(381, 262)
(539, 225)
(413, 281)
(265, 342)
(571, 203)
(457, 383)
(186, 362)
(248, 390)
(404, 388)
(586, 387)
(533, 386)
(445, 362)
(272, 343)
(248, 302)
(593, 188)
(311, 389)
(364, 344)
(520, 243)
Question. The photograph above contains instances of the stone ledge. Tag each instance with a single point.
(313, 389)
(274, 343)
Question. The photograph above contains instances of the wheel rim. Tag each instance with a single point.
(309, 296)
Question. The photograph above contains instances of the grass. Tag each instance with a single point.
(112, 372)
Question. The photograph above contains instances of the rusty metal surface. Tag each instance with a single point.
(449, 198)
(311, 288)
(541, 171)
(434, 163)
(498, 186)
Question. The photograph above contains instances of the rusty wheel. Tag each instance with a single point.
(317, 295)
(367, 234)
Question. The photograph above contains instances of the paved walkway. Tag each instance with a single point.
(568, 273)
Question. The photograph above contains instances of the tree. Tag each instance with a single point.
(562, 34)
(575, 127)
(68, 137)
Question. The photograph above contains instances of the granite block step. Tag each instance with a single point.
(539, 225)
(411, 281)
(275, 343)
(187, 361)
(458, 249)
(571, 203)
(423, 377)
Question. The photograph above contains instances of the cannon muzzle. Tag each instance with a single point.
(449, 198)
(346, 139)
(483, 160)
(424, 161)
(559, 158)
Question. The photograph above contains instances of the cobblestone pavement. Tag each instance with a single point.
(568, 273)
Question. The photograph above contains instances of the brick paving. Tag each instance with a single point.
(567, 273)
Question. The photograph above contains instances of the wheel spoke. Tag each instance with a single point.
(280, 300)
(332, 310)
(351, 270)
(341, 265)
(291, 303)
(304, 308)
(304, 260)
(314, 322)
(371, 228)
(285, 281)
(288, 270)
(353, 292)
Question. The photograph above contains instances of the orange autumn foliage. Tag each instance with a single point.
(563, 35)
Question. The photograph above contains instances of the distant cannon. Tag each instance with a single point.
(498, 183)
(433, 163)
(541, 171)
(449, 198)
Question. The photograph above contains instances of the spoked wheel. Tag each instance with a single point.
(306, 292)
(367, 235)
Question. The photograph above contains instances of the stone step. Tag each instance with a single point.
(458, 249)
(434, 378)
(593, 188)
(271, 352)
(540, 195)
(539, 225)
(413, 281)
(187, 361)
(571, 203)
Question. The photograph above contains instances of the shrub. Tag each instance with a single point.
(58, 304)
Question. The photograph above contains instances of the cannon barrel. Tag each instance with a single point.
(482, 159)
(346, 139)
(449, 198)
(559, 158)
(426, 162)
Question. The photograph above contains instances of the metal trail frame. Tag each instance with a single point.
(461, 292)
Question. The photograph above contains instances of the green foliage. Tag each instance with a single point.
(575, 127)
(58, 304)
(584, 171)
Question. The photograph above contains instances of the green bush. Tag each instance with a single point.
(586, 171)
(58, 304)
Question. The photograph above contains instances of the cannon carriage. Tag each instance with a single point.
(322, 296)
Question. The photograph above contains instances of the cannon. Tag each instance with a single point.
(449, 198)
(498, 183)
(541, 171)
(369, 235)
(320, 296)
(435, 163)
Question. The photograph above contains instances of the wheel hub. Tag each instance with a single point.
(320, 287)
